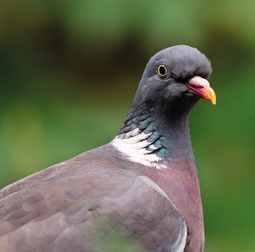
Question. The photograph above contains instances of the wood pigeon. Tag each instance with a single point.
(143, 185)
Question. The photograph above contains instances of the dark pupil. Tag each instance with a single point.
(162, 70)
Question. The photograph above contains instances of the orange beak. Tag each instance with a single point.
(202, 88)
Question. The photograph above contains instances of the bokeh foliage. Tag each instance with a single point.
(68, 71)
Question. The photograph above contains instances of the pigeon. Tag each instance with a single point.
(142, 187)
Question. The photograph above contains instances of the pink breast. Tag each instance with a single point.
(182, 187)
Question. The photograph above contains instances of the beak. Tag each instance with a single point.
(202, 88)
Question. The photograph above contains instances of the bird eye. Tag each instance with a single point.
(162, 71)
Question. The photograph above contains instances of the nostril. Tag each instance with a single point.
(198, 82)
(195, 86)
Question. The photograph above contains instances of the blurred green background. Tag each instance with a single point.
(69, 69)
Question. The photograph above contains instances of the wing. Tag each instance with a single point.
(145, 213)
(82, 210)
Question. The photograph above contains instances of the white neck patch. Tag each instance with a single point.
(133, 148)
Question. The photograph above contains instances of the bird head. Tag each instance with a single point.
(176, 77)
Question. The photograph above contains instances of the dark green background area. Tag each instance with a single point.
(68, 72)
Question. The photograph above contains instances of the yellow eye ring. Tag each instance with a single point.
(162, 71)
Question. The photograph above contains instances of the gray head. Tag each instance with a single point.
(156, 128)
(176, 76)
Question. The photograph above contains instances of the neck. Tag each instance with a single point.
(154, 135)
